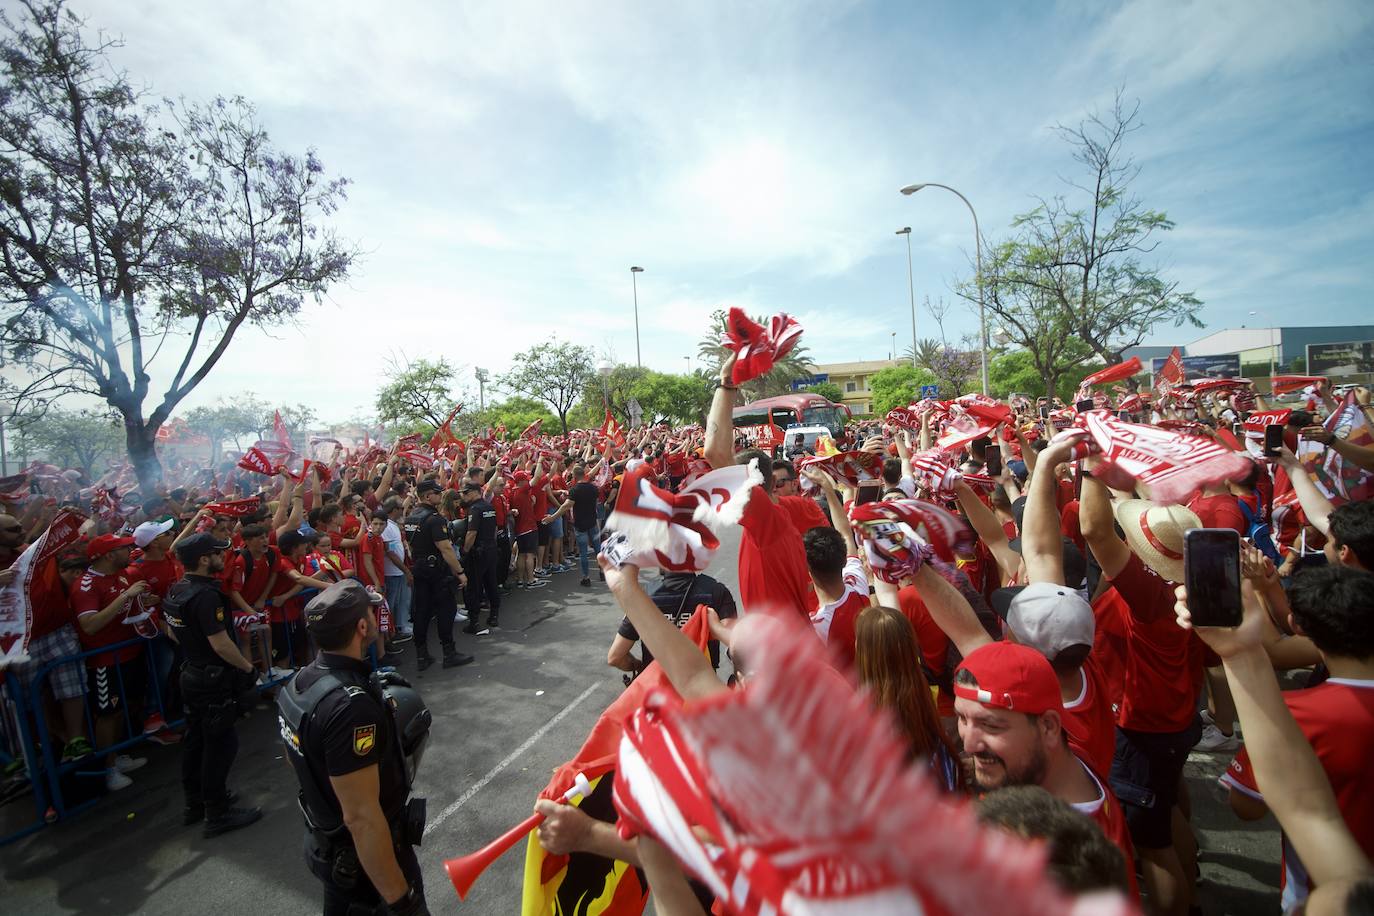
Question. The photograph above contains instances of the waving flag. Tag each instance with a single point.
(1173, 465)
(986, 409)
(258, 462)
(960, 431)
(758, 348)
(807, 794)
(533, 429)
(279, 429)
(676, 531)
(1171, 374)
(1129, 368)
(35, 576)
(612, 430)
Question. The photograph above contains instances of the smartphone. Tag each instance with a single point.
(994, 462)
(1273, 440)
(1044, 411)
(1238, 429)
(1211, 573)
(1084, 405)
(978, 448)
(868, 493)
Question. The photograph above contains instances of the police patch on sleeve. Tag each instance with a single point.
(219, 614)
(364, 737)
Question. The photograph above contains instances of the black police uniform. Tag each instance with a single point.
(335, 720)
(483, 567)
(195, 610)
(435, 596)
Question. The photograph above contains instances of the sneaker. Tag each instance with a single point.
(424, 661)
(115, 780)
(166, 737)
(541, 573)
(1213, 739)
(561, 568)
(154, 724)
(126, 764)
(460, 617)
(76, 748)
(402, 636)
(521, 585)
(537, 583)
(586, 582)
(233, 819)
(481, 631)
(456, 659)
(280, 673)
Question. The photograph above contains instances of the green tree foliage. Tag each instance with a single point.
(84, 439)
(796, 364)
(1015, 372)
(554, 373)
(417, 392)
(828, 390)
(125, 224)
(228, 421)
(515, 413)
(897, 386)
(663, 397)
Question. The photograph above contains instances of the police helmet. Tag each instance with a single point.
(413, 719)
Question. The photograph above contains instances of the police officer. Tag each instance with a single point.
(436, 568)
(213, 677)
(347, 736)
(479, 545)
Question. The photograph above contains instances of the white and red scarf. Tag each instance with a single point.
(16, 599)
(758, 348)
(1287, 384)
(676, 531)
(235, 508)
(899, 535)
(1110, 374)
(851, 468)
(809, 802)
(1173, 465)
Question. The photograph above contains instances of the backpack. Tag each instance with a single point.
(1259, 533)
(246, 556)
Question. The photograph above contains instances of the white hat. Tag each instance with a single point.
(1155, 533)
(1050, 618)
(147, 532)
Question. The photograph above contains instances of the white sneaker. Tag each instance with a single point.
(460, 617)
(1214, 740)
(126, 764)
(115, 780)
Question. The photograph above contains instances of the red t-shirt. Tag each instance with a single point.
(1069, 525)
(1337, 717)
(52, 609)
(349, 527)
(522, 501)
(772, 561)
(1220, 511)
(676, 463)
(502, 506)
(933, 643)
(1163, 674)
(834, 622)
(1109, 643)
(1106, 813)
(803, 512)
(159, 574)
(1090, 720)
(92, 593)
(290, 609)
(372, 546)
(251, 588)
(541, 498)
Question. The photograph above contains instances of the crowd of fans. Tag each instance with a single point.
(1037, 659)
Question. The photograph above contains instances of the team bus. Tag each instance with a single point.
(765, 422)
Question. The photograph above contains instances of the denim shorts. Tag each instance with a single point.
(1146, 770)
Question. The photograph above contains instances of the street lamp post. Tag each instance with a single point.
(634, 284)
(1272, 345)
(481, 375)
(689, 364)
(894, 346)
(604, 369)
(978, 254)
(911, 288)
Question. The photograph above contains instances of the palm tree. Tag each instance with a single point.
(796, 364)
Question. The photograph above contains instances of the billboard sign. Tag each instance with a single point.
(1221, 365)
(808, 380)
(1340, 358)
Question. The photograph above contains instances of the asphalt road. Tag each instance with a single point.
(500, 727)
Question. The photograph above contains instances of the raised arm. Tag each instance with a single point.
(720, 427)
(950, 610)
(1041, 541)
(990, 532)
(1098, 525)
(1314, 502)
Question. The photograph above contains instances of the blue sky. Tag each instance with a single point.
(511, 160)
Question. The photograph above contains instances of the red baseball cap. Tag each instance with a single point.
(106, 543)
(1010, 676)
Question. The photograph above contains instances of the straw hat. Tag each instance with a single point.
(1155, 533)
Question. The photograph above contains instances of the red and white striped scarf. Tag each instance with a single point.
(1173, 465)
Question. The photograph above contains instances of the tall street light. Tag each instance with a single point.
(911, 287)
(978, 249)
(634, 284)
(1272, 345)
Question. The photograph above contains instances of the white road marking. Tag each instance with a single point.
(510, 758)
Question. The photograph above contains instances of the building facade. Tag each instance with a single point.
(852, 379)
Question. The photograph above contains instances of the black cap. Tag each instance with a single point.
(1075, 564)
(199, 545)
(429, 486)
(338, 605)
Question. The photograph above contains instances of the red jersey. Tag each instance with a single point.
(252, 584)
(350, 527)
(52, 609)
(541, 497)
(834, 622)
(1163, 674)
(91, 594)
(522, 502)
(289, 609)
(502, 507)
(1221, 511)
(1070, 528)
(676, 464)
(1106, 813)
(373, 547)
(1337, 717)
(803, 512)
(933, 643)
(1090, 720)
(1109, 643)
(772, 561)
(160, 576)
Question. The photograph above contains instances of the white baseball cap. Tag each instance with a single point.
(147, 532)
(1050, 618)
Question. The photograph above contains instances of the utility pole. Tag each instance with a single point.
(481, 388)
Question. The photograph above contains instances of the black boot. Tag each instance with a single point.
(453, 658)
(231, 819)
(423, 660)
(194, 812)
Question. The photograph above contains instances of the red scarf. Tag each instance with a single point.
(758, 348)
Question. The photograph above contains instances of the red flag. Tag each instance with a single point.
(33, 572)
(613, 430)
(1287, 384)
(235, 508)
(279, 429)
(533, 429)
(1114, 373)
(1171, 374)
(758, 348)
(1343, 480)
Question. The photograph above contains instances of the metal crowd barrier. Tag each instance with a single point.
(26, 735)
